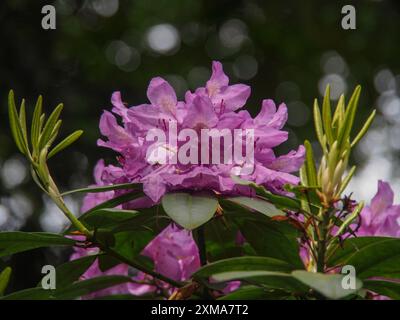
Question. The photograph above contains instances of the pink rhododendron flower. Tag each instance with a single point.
(214, 106)
(173, 251)
(381, 217)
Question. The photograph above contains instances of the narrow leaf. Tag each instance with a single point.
(327, 115)
(318, 125)
(350, 113)
(4, 279)
(356, 212)
(49, 126)
(15, 125)
(22, 121)
(364, 129)
(310, 165)
(347, 180)
(122, 186)
(35, 128)
(65, 143)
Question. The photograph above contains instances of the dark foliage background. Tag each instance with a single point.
(286, 50)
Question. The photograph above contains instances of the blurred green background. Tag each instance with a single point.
(286, 50)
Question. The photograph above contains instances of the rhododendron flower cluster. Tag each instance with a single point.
(174, 252)
(215, 106)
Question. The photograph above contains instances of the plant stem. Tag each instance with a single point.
(54, 194)
(201, 242)
(322, 242)
(139, 267)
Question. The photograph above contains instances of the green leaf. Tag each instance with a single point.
(327, 115)
(385, 288)
(249, 263)
(70, 271)
(189, 211)
(14, 242)
(318, 125)
(246, 275)
(15, 125)
(29, 294)
(371, 256)
(108, 217)
(266, 279)
(49, 126)
(268, 238)
(258, 205)
(364, 129)
(350, 113)
(4, 279)
(347, 179)
(22, 121)
(329, 285)
(35, 128)
(339, 115)
(88, 286)
(254, 293)
(350, 218)
(122, 186)
(112, 203)
(65, 143)
(310, 165)
(279, 201)
(72, 291)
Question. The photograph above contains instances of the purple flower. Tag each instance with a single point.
(214, 106)
(381, 217)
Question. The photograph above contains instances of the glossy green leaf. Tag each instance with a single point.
(36, 293)
(255, 293)
(72, 291)
(275, 239)
(389, 289)
(329, 285)
(281, 202)
(258, 205)
(108, 217)
(249, 263)
(370, 256)
(70, 271)
(189, 211)
(122, 186)
(18, 241)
